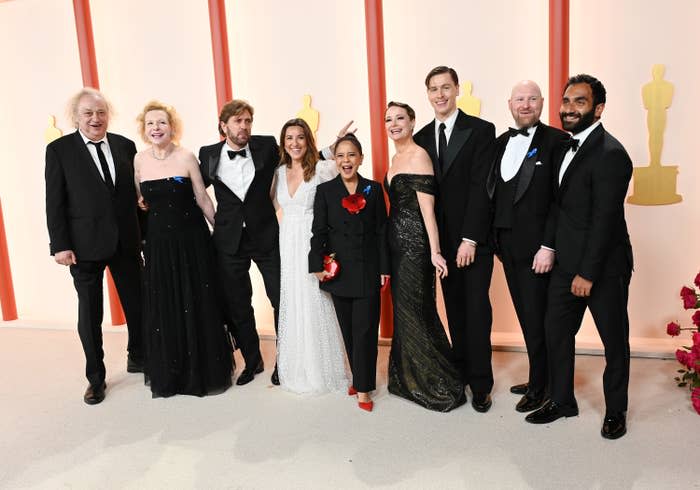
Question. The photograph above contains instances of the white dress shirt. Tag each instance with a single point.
(238, 173)
(108, 155)
(449, 126)
(569, 155)
(515, 152)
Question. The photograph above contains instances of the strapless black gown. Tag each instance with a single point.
(420, 365)
(187, 346)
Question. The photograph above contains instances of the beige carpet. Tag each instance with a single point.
(259, 436)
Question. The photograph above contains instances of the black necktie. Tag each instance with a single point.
(442, 146)
(512, 132)
(103, 163)
(241, 153)
(572, 144)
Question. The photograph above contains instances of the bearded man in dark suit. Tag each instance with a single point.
(91, 213)
(520, 186)
(593, 257)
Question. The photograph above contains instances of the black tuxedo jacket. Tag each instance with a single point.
(81, 213)
(358, 240)
(256, 210)
(533, 216)
(462, 206)
(591, 235)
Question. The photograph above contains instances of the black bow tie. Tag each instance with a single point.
(241, 153)
(572, 144)
(512, 132)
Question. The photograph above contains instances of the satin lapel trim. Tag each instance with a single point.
(458, 138)
(87, 159)
(254, 150)
(213, 164)
(527, 168)
(495, 171)
(590, 142)
(432, 149)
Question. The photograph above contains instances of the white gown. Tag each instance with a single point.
(310, 351)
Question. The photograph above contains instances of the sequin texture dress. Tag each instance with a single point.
(420, 366)
(187, 346)
(310, 352)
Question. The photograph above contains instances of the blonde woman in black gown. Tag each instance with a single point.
(420, 366)
(187, 349)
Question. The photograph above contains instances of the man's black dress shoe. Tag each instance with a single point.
(528, 403)
(248, 374)
(520, 389)
(133, 365)
(614, 425)
(94, 394)
(550, 412)
(275, 378)
(481, 402)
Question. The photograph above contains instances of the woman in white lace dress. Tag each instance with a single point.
(310, 353)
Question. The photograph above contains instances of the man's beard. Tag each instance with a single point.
(585, 121)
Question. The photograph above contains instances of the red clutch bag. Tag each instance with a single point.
(331, 266)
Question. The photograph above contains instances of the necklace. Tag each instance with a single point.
(167, 154)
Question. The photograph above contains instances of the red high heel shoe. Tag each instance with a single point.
(366, 405)
(352, 391)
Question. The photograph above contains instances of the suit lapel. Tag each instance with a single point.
(460, 134)
(590, 142)
(431, 147)
(214, 160)
(527, 168)
(255, 155)
(495, 171)
(88, 161)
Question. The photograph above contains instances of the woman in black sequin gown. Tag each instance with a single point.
(187, 349)
(420, 365)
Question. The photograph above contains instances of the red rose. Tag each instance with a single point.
(682, 356)
(354, 203)
(690, 300)
(673, 329)
(695, 398)
(696, 318)
(686, 291)
(696, 339)
(691, 360)
(697, 280)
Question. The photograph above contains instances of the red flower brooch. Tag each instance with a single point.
(354, 203)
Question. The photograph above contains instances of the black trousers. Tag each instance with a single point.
(359, 322)
(87, 279)
(469, 316)
(529, 294)
(608, 306)
(237, 292)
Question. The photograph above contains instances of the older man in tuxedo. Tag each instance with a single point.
(593, 257)
(459, 147)
(520, 186)
(91, 213)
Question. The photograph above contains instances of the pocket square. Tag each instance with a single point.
(538, 162)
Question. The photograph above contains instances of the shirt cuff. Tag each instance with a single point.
(547, 248)
(469, 240)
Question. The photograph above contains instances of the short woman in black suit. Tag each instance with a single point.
(349, 221)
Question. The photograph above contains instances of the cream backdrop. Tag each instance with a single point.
(280, 51)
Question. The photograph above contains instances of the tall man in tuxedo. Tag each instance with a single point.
(593, 257)
(91, 213)
(459, 146)
(241, 169)
(520, 186)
